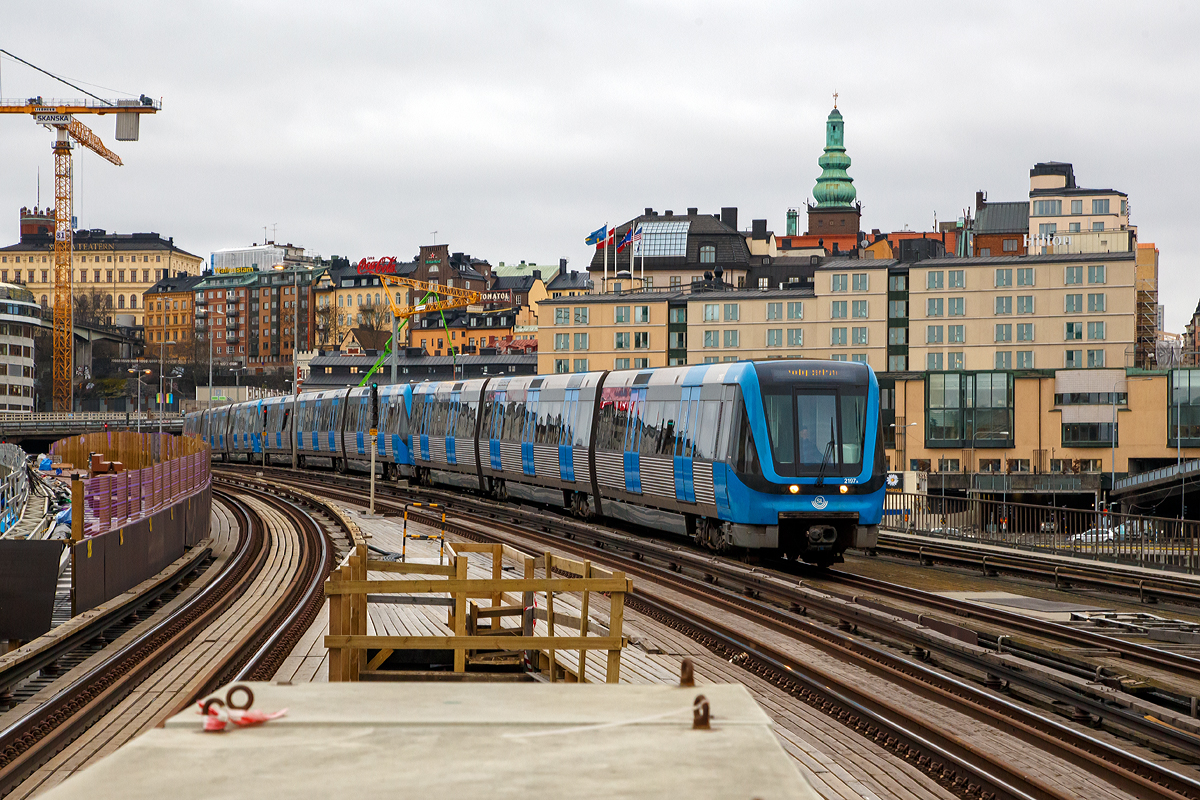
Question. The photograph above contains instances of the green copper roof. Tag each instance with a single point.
(835, 188)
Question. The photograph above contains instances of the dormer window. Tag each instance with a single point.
(708, 254)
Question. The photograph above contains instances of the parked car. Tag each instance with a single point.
(1049, 526)
(945, 532)
(1092, 535)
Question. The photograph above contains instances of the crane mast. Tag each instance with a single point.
(58, 116)
(64, 301)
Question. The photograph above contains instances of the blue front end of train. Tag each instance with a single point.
(806, 472)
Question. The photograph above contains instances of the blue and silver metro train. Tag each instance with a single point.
(779, 456)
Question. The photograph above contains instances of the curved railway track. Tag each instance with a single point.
(35, 732)
(739, 593)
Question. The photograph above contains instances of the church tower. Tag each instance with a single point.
(835, 211)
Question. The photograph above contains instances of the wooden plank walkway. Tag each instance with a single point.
(157, 696)
(839, 763)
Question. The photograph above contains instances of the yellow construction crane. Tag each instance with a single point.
(59, 115)
(447, 297)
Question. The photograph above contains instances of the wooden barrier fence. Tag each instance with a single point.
(348, 587)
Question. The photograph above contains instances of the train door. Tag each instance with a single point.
(685, 432)
(633, 440)
(529, 431)
(566, 451)
(499, 409)
(452, 426)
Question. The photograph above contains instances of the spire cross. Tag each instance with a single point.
(835, 99)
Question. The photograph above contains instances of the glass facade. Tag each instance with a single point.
(962, 408)
(1184, 413)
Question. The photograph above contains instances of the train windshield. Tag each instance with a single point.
(816, 431)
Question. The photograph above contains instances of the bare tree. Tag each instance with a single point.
(92, 306)
(330, 326)
(373, 316)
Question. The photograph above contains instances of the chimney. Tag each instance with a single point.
(980, 200)
(649, 212)
(759, 228)
(729, 217)
(562, 265)
(537, 274)
(668, 213)
(692, 212)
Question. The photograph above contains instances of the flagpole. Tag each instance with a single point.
(604, 243)
(643, 252)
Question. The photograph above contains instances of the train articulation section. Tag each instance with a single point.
(780, 456)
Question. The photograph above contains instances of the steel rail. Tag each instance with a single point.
(32, 739)
(1118, 766)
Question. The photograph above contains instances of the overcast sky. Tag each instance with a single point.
(513, 129)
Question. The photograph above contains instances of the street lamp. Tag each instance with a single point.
(203, 312)
(139, 373)
(900, 430)
(975, 438)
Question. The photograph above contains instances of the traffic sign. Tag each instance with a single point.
(374, 431)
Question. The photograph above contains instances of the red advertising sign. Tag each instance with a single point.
(380, 266)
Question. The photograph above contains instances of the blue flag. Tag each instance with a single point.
(597, 236)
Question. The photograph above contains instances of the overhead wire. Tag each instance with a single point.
(57, 78)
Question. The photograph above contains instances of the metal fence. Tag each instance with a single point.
(1154, 542)
(14, 487)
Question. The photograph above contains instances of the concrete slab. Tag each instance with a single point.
(459, 740)
(1035, 607)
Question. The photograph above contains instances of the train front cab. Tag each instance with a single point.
(806, 469)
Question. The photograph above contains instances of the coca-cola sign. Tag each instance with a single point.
(379, 266)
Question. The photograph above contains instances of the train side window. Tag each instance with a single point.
(705, 437)
(652, 426)
(745, 455)
(725, 424)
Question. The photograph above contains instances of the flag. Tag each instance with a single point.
(597, 236)
(637, 239)
(625, 240)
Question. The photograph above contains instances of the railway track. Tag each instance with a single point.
(258, 593)
(1108, 577)
(747, 628)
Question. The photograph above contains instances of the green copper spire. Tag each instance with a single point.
(834, 189)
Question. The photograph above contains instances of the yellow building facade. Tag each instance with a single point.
(116, 269)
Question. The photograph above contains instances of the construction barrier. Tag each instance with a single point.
(129, 525)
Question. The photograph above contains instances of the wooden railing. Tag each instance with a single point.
(348, 587)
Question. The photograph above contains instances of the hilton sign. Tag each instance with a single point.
(1046, 240)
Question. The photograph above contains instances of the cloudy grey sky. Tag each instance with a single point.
(512, 129)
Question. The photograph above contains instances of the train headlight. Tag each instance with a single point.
(843, 488)
(794, 489)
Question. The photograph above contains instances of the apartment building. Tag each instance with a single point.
(170, 321)
(630, 330)
(258, 319)
(19, 322)
(114, 270)
(675, 251)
